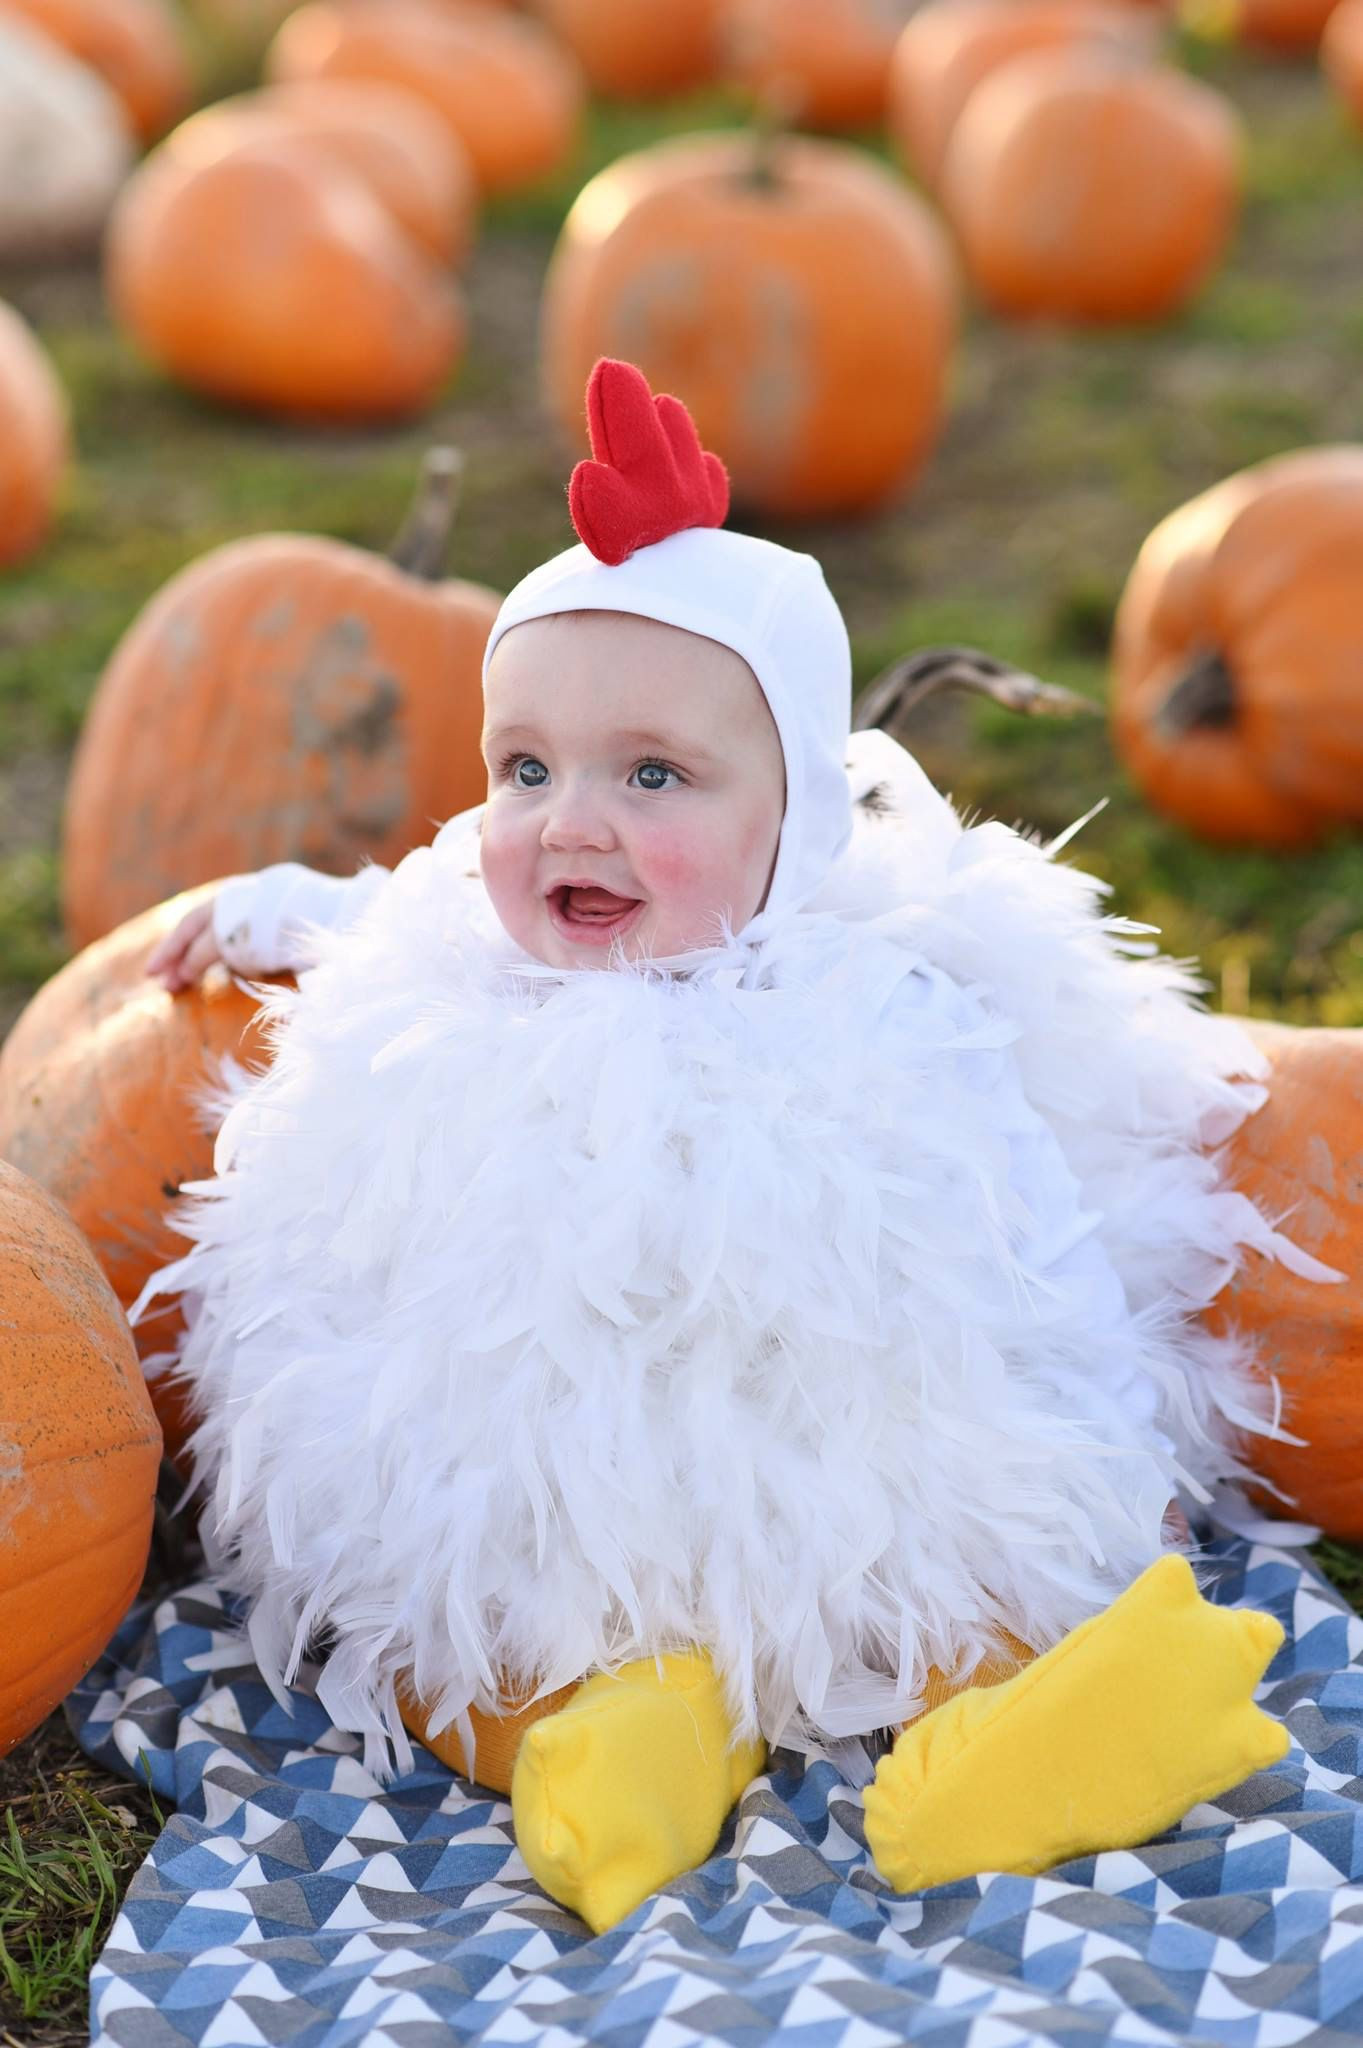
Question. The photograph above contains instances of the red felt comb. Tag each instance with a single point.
(650, 476)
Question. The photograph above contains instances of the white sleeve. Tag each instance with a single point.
(261, 921)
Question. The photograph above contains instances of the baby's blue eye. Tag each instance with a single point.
(538, 773)
(651, 768)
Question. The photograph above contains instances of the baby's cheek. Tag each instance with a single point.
(674, 865)
(505, 870)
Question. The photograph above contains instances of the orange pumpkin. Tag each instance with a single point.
(951, 46)
(1341, 55)
(1300, 1157)
(99, 1081)
(638, 49)
(828, 60)
(512, 96)
(34, 439)
(498, 1737)
(1237, 652)
(706, 261)
(137, 46)
(335, 314)
(395, 142)
(306, 700)
(1083, 186)
(79, 1454)
(1287, 27)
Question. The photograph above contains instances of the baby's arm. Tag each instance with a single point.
(260, 924)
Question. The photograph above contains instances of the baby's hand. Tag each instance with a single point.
(185, 954)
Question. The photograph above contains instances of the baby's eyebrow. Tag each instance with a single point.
(660, 743)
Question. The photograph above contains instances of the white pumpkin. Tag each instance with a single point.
(65, 146)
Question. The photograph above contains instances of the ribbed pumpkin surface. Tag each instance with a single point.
(99, 1081)
(338, 698)
(79, 1454)
(1301, 1158)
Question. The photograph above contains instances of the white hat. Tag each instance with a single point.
(648, 509)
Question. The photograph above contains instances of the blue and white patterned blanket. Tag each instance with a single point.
(291, 1901)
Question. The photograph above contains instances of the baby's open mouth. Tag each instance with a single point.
(592, 913)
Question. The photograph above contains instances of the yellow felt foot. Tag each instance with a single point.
(628, 1785)
(1108, 1739)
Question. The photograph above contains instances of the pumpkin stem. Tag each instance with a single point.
(900, 689)
(772, 119)
(422, 547)
(1203, 696)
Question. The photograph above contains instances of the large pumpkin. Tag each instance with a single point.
(100, 1084)
(706, 261)
(639, 49)
(34, 439)
(1238, 650)
(285, 697)
(511, 94)
(137, 46)
(336, 314)
(396, 143)
(1300, 1157)
(1086, 186)
(65, 147)
(1341, 55)
(951, 46)
(79, 1454)
(829, 60)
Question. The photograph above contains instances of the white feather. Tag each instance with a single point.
(830, 1305)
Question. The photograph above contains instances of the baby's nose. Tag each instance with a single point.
(575, 818)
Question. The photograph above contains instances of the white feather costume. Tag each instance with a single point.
(828, 1305)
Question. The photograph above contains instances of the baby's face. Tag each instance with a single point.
(636, 787)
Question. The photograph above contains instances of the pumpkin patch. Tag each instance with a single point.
(81, 1450)
(420, 221)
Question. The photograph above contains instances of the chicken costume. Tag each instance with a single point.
(769, 1330)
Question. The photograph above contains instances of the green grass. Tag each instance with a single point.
(71, 1838)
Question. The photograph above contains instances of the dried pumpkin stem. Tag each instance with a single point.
(898, 690)
(1202, 698)
(772, 120)
(422, 547)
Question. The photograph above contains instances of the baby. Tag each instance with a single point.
(789, 1335)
